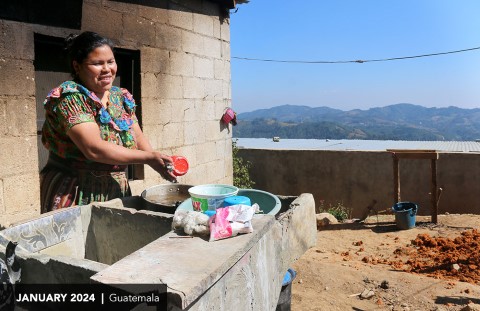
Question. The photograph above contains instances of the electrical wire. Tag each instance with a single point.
(353, 61)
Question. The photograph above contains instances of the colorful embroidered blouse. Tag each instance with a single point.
(71, 103)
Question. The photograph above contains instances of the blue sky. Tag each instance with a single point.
(346, 30)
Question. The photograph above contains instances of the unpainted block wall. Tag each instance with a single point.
(355, 179)
(185, 83)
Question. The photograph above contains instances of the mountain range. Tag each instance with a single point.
(394, 122)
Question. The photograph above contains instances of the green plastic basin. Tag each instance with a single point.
(270, 204)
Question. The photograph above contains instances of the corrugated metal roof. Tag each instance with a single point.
(357, 145)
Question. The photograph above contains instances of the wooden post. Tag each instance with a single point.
(396, 179)
(398, 154)
(434, 189)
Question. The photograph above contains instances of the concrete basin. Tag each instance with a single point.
(240, 273)
(70, 245)
(111, 243)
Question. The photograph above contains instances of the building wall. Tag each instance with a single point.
(356, 178)
(185, 87)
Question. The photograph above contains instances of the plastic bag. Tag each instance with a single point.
(192, 223)
(231, 220)
(240, 217)
(219, 225)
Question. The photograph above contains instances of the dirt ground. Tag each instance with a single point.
(374, 266)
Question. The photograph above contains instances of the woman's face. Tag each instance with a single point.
(98, 70)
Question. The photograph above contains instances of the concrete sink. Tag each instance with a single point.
(112, 243)
(71, 245)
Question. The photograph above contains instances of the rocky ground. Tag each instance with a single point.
(374, 266)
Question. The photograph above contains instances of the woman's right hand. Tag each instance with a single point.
(161, 164)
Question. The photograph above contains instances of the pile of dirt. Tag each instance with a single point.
(455, 258)
(375, 266)
(443, 258)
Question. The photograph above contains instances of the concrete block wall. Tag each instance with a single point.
(356, 178)
(185, 88)
(19, 182)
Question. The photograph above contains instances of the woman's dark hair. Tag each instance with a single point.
(77, 47)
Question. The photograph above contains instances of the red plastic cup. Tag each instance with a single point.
(180, 165)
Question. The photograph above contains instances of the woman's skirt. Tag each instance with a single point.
(65, 184)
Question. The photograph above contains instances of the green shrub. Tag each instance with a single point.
(241, 175)
(340, 211)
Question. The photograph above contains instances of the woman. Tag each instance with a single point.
(91, 131)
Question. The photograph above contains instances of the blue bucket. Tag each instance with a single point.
(285, 298)
(405, 214)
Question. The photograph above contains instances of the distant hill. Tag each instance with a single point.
(394, 122)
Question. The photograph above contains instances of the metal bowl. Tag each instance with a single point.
(165, 198)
